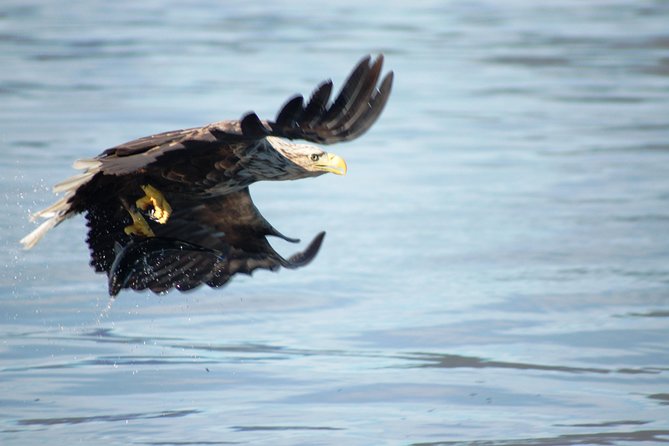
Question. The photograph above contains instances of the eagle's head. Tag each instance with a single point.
(305, 160)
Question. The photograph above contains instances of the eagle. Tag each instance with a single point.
(173, 210)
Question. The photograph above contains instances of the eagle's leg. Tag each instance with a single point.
(139, 225)
(155, 199)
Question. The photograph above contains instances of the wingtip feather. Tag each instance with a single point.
(36, 235)
(352, 111)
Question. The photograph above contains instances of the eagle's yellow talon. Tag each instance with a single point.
(139, 226)
(155, 199)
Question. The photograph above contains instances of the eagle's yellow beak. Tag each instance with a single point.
(333, 164)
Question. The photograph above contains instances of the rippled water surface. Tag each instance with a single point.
(496, 269)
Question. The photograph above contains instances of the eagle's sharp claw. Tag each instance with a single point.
(139, 226)
(156, 200)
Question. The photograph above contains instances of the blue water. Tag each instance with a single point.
(496, 265)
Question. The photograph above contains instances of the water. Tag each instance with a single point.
(495, 270)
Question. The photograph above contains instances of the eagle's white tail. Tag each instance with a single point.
(60, 210)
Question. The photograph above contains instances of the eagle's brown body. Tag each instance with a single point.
(210, 229)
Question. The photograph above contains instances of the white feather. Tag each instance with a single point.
(74, 182)
(87, 163)
(59, 207)
(31, 239)
(60, 210)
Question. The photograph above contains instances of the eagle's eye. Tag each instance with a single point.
(314, 157)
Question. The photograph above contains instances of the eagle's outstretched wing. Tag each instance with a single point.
(357, 106)
(159, 264)
(205, 242)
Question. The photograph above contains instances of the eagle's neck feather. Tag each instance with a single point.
(275, 159)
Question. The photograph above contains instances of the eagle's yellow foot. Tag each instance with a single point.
(155, 199)
(139, 226)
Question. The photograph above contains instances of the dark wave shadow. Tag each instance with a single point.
(606, 424)
(528, 60)
(434, 360)
(657, 313)
(188, 443)
(597, 438)
(106, 418)
(115, 361)
(662, 398)
(107, 335)
(284, 428)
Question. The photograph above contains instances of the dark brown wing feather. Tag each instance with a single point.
(204, 242)
(160, 264)
(105, 228)
(357, 106)
(207, 141)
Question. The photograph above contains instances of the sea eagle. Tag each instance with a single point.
(173, 210)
